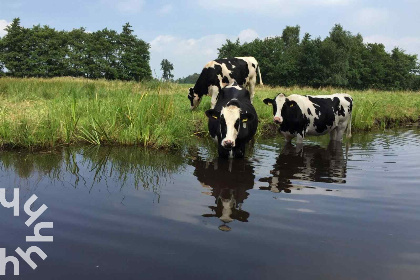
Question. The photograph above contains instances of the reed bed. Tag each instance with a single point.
(45, 113)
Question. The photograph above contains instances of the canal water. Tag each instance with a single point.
(317, 211)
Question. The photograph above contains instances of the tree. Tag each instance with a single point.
(14, 49)
(340, 60)
(190, 79)
(135, 56)
(42, 51)
(166, 67)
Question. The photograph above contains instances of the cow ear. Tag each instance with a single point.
(268, 101)
(211, 113)
(247, 117)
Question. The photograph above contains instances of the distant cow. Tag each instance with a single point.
(300, 116)
(221, 72)
(233, 121)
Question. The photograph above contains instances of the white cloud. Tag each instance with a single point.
(3, 24)
(125, 6)
(272, 7)
(166, 9)
(371, 17)
(410, 44)
(190, 55)
(247, 35)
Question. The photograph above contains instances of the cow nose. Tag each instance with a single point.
(277, 120)
(227, 143)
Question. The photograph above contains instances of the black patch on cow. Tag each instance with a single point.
(273, 103)
(208, 77)
(225, 80)
(351, 103)
(240, 72)
(253, 65)
(294, 121)
(326, 109)
(342, 112)
(309, 112)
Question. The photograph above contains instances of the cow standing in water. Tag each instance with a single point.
(221, 72)
(233, 121)
(300, 116)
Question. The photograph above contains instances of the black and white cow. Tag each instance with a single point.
(233, 121)
(221, 72)
(301, 116)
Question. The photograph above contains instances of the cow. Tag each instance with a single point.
(219, 73)
(233, 121)
(300, 116)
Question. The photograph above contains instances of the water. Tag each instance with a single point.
(314, 212)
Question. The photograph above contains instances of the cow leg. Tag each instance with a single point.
(340, 131)
(288, 138)
(252, 83)
(333, 134)
(213, 92)
(299, 139)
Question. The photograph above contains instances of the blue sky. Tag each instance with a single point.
(188, 32)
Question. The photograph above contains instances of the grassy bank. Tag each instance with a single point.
(42, 113)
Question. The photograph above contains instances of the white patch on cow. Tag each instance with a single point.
(231, 115)
(280, 99)
(235, 85)
(213, 91)
(196, 101)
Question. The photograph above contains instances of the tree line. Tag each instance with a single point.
(42, 51)
(340, 60)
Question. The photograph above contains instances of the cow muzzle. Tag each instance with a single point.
(228, 144)
(278, 120)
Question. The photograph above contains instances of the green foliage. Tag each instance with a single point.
(340, 60)
(190, 79)
(44, 113)
(166, 68)
(46, 52)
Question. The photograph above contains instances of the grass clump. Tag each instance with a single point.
(43, 113)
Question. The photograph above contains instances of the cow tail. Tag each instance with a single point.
(259, 74)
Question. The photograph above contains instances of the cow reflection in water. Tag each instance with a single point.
(307, 163)
(228, 182)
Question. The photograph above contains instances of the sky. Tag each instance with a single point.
(188, 32)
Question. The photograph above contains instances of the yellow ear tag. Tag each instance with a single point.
(214, 117)
(291, 105)
(244, 120)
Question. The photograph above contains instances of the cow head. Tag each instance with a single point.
(231, 119)
(277, 104)
(194, 98)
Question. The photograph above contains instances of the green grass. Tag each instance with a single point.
(44, 113)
